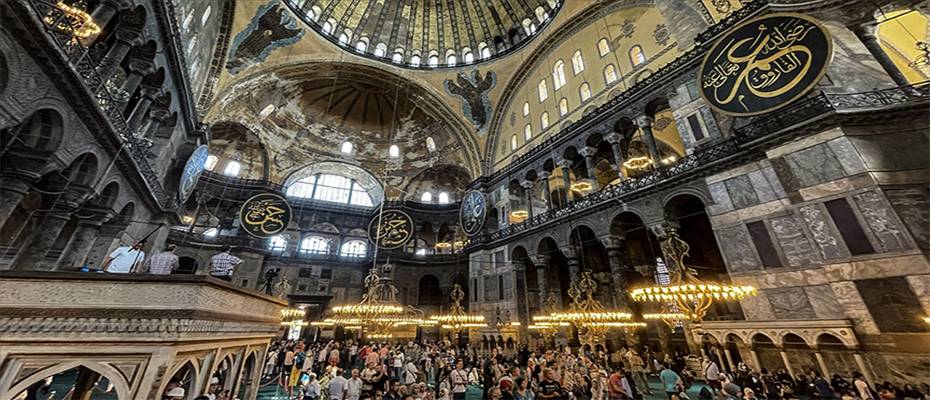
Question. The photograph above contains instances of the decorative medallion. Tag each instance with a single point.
(629, 27)
(391, 230)
(765, 64)
(474, 94)
(271, 28)
(661, 35)
(265, 215)
(192, 171)
(473, 212)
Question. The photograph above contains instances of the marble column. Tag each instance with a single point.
(528, 194)
(104, 13)
(726, 352)
(125, 39)
(644, 122)
(32, 255)
(138, 69)
(566, 180)
(823, 364)
(544, 176)
(588, 153)
(616, 141)
(866, 372)
(142, 107)
(755, 359)
(614, 247)
(574, 263)
(82, 241)
(156, 118)
(866, 34)
(12, 190)
(542, 283)
(784, 359)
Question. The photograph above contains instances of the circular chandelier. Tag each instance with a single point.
(457, 319)
(73, 18)
(586, 313)
(378, 313)
(689, 294)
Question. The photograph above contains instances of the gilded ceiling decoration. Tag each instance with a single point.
(271, 28)
(428, 33)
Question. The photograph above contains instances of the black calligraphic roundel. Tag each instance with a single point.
(265, 215)
(391, 230)
(765, 64)
(473, 212)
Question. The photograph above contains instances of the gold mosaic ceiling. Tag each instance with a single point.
(409, 32)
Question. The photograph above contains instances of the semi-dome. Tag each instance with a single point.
(427, 33)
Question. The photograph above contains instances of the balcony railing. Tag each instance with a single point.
(820, 105)
(108, 99)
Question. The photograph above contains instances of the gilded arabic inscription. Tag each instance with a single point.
(391, 230)
(265, 215)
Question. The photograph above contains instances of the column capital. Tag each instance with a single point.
(613, 241)
(540, 261)
(587, 151)
(614, 138)
(564, 163)
(663, 229)
(527, 184)
(571, 253)
(141, 67)
(149, 91)
(131, 36)
(644, 121)
(543, 175)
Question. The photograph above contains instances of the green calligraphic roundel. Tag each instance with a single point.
(391, 230)
(265, 215)
(473, 212)
(765, 64)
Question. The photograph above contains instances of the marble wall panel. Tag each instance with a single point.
(913, 207)
(848, 296)
(790, 303)
(789, 181)
(741, 192)
(796, 247)
(722, 202)
(814, 165)
(772, 178)
(757, 308)
(822, 231)
(881, 221)
(847, 155)
(920, 284)
(764, 190)
(893, 305)
(737, 249)
(824, 302)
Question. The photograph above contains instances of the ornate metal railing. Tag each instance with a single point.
(759, 128)
(109, 101)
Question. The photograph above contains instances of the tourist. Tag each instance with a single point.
(822, 387)
(222, 264)
(731, 391)
(616, 389)
(311, 389)
(749, 394)
(549, 387)
(863, 389)
(338, 385)
(459, 380)
(176, 393)
(670, 381)
(162, 263)
(354, 386)
(411, 373)
(523, 391)
(711, 374)
(124, 259)
(637, 368)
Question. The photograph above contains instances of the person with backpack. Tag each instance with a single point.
(863, 389)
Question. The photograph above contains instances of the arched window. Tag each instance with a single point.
(232, 168)
(544, 121)
(541, 14)
(415, 61)
(397, 58)
(450, 60)
(315, 12)
(469, 58)
(211, 232)
(584, 91)
(314, 245)
(558, 75)
(362, 46)
(637, 56)
(443, 198)
(354, 248)
(426, 197)
(394, 151)
(543, 90)
(211, 162)
(577, 62)
(328, 26)
(343, 39)
(420, 252)
(430, 144)
(347, 147)
(433, 61)
(187, 21)
(513, 142)
(526, 108)
(206, 15)
(563, 107)
(484, 50)
(332, 188)
(603, 47)
(528, 27)
(527, 132)
(265, 112)
(610, 74)
(380, 50)
(277, 243)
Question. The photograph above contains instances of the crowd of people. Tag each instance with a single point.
(441, 371)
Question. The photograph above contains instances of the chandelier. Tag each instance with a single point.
(72, 18)
(692, 296)
(587, 314)
(545, 324)
(378, 313)
(457, 319)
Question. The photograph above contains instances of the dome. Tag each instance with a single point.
(427, 34)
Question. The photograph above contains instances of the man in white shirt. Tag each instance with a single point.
(338, 386)
(459, 381)
(354, 386)
(711, 374)
(124, 259)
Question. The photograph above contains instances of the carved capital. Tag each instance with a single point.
(613, 242)
(644, 121)
(543, 175)
(614, 138)
(540, 261)
(588, 152)
(565, 163)
(527, 184)
(141, 67)
(130, 36)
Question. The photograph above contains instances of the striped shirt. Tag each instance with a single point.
(223, 263)
(162, 263)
